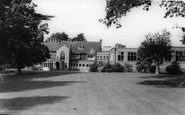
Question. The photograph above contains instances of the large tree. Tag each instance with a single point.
(21, 33)
(115, 9)
(155, 48)
(79, 37)
(60, 36)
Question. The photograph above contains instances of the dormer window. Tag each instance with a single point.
(81, 47)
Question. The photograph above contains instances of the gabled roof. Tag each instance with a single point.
(87, 46)
(73, 46)
(67, 43)
(52, 46)
(55, 46)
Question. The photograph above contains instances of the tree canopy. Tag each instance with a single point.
(21, 33)
(155, 48)
(115, 9)
(79, 37)
(60, 36)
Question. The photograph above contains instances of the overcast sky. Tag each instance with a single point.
(81, 16)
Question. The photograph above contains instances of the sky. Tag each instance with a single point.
(81, 16)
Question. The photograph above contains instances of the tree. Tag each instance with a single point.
(21, 33)
(60, 36)
(115, 9)
(79, 37)
(155, 48)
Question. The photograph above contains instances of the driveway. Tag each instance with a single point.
(76, 93)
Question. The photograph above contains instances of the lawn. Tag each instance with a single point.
(67, 93)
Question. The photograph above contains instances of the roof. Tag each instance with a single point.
(87, 45)
(74, 46)
(52, 46)
(55, 46)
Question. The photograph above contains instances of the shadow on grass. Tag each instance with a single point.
(28, 81)
(22, 85)
(23, 103)
(40, 74)
(164, 80)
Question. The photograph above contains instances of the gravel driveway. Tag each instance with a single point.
(89, 94)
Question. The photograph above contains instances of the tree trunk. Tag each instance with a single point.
(19, 72)
(156, 69)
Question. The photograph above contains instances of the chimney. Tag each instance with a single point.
(100, 44)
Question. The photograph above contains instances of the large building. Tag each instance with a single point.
(124, 55)
(79, 55)
(67, 55)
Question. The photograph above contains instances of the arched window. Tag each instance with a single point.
(62, 55)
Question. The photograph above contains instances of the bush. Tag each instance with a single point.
(107, 68)
(94, 67)
(117, 68)
(174, 68)
(142, 66)
(152, 69)
(128, 67)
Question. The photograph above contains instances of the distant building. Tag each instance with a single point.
(67, 55)
(103, 56)
(107, 48)
(124, 55)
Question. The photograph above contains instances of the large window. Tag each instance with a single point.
(179, 56)
(132, 56)
(62, 55)
(120, 56)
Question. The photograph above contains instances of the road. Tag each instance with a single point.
(90, 94)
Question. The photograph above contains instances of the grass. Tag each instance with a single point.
(165, 80)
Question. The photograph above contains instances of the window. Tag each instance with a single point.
(104, 57)
(87, 65)
(90, 56)
(100, 57)
(83, 65)
(62, 55)
(168, 57)
(81, 47)
(132, 56)
(80, 65)
(83, 57)
(120, 56)
(179, 56)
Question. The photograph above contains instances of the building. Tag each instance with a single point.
(102, 56)
(107, 48)
(67, 55)
(124, 55)
(79, 55)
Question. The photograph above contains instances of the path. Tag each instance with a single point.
(90, 94)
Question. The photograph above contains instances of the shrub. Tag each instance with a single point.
(107, 68)
(128, 67)
(142, 66)
(117, 68)
(152, 69)
(174, 68)
(94, 67)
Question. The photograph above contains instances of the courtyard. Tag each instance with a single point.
(76, 93)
